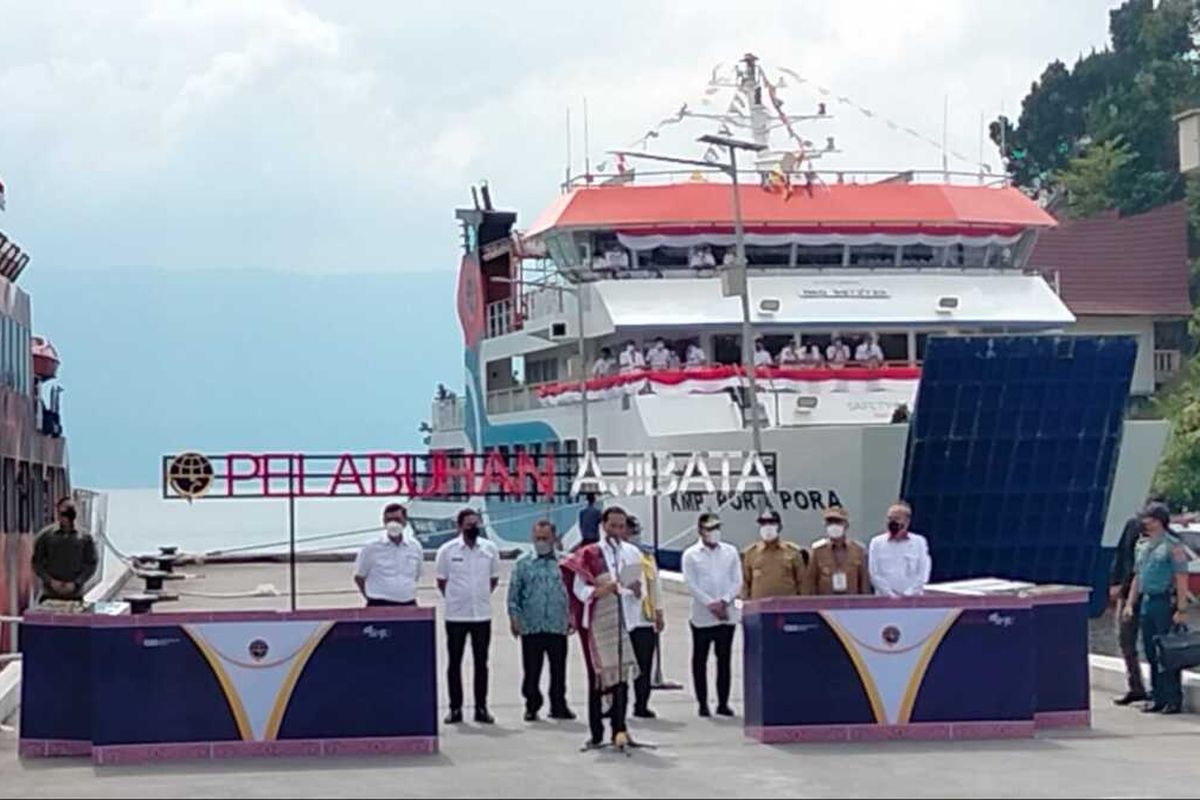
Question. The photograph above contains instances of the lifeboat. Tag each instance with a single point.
(45, 359)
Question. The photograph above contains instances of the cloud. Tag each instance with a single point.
(326, 136)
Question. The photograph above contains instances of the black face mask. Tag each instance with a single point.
(68, 514)
(894, 526)
(471, 531)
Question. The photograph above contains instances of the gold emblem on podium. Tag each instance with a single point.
(190, 475)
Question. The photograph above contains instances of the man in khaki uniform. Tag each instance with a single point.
(838, 565)
(771, 567)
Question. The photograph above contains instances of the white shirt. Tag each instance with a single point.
(837, 354)
(762, 358)
(631, 360)
(468, 573)
(899, 567)
(868, 352)
(712, 574)
(812, 355)
(391, 569)
(658, 357)
(617, 558)
(788, 355)
(602, 367)
(695, 355)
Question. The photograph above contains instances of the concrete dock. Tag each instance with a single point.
(1125, 753)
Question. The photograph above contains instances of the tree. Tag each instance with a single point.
(1089, 178)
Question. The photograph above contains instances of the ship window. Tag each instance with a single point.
(23, 492)
(8, 498)
(920, 255)
(727, 349)
(829, 255)
(768, 256)
(873, 255)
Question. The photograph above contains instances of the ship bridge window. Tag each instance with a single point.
(921, 255)
(873, 255)
(828, 255)
(768, 256)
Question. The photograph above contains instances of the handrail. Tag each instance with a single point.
(826, 176)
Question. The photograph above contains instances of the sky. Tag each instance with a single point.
(240, 214)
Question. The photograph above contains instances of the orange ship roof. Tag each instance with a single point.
(709, 205)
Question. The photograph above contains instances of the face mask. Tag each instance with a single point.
(69, 514)
(471, 532)
(769, 533)
(894, 526)
(543, 548)
(835, 531)
(713, 536)
(394, 529)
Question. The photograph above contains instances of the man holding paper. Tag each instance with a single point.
(712, 571)
(605, 579)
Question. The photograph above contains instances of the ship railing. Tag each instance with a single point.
(800, 180)
(449, 414)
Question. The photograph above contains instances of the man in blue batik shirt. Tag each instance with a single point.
(539, 614)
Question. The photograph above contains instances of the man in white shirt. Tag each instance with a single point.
(712, 571)
(604, 365)
(695, 355)
(838, 353)
(812, 355)
(388, 570)
(658, 356)
(791, 353)
(631, 359)
(869, 352)
(762, 356)
(468, 571)
(898, 560)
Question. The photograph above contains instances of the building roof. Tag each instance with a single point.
(886, 206)
(877, 301)
(1107, 264)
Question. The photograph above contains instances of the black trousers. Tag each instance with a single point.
(644, 641)
(1127, 638)
(373, 602)
(620, 703)
(481, 639)
(535, 648)
(719, 637)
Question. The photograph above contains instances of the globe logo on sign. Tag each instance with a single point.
(190, 475)
(891, 635)
(259, 649)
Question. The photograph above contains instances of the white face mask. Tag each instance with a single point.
(835, 531)
(713, 536)
(769, 533)
(394, 529)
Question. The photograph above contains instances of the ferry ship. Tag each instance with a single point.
(33, 451)
(898, 258)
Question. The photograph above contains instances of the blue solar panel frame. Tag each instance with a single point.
(1012, 452)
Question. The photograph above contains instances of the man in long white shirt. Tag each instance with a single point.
(791, 353)
(468, 571)
(712, 571)
(762, 356)
(869, 352)
(605, 365)
(695, 355)
(631, 359)
(898, 560)
(838, 353)
(658, 356)
(388, 570)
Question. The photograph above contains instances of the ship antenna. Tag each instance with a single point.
(587, 154)
(567, 185)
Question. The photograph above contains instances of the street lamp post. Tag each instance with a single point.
(740, 271)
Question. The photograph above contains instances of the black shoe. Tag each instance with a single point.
(1131, 697)
(483, 717)
(644, 713)
(725, 711)
(530, 716)
(704, 712)
(1153, 708)
(563, 714)
(1172, 709)
(454, 718)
